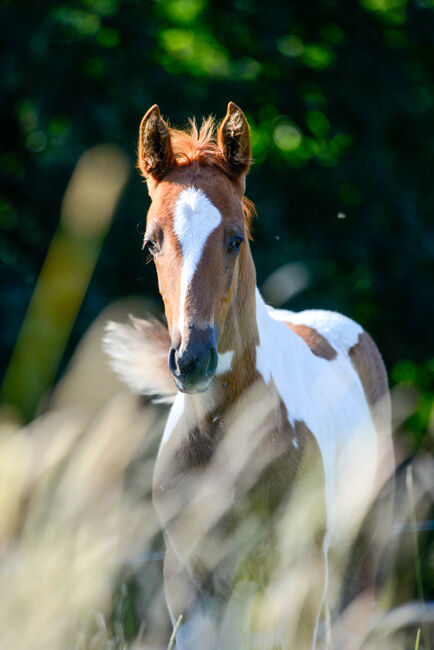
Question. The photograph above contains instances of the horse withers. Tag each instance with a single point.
(278, 438)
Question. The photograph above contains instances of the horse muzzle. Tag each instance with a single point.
(193, 365)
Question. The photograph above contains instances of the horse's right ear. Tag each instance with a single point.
(155, 156)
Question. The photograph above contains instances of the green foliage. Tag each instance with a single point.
(419, 376)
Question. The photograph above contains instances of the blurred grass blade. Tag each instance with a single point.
(175, 630)
(417, 562)
(416, 647)
(88, 207)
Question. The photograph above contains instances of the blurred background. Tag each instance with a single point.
(340, 100)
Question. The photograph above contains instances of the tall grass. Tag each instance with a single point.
(78, 533)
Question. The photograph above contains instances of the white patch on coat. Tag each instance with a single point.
(224, 363)
(195, 219)
(329, 397)
(341, 332)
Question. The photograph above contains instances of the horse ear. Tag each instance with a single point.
(234, 140)
(156, 155)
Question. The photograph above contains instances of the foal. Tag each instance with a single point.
(271, 453)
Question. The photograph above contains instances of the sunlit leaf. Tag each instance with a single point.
(392, 11)
(287, 137)
(182, 12)
(196, 51)
(317, 56)
(290, 45)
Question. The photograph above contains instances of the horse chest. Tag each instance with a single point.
(208, 484)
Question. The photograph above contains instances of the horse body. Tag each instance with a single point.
(325, 408)
(269, 459)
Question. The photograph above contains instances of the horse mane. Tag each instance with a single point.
(199, 144)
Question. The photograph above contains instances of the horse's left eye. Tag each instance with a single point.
(235, 243)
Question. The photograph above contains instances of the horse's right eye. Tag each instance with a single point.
(150, 245)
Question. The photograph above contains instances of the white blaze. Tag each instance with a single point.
(195, 219)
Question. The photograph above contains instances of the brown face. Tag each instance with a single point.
(196, 232)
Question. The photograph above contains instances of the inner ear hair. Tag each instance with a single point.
(234, 140)
(155, 155)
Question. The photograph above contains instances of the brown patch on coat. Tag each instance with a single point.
(362, 573)
(369, 365)
(319, 346)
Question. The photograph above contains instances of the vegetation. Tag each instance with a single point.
(339, 96)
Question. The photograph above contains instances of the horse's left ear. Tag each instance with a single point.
(234, 140)
(156, 156)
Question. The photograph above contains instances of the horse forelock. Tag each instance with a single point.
(197, 144)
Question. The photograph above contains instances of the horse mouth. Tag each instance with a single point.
(192, 388)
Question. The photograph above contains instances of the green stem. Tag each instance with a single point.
(175, 630)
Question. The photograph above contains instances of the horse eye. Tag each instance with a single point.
(150, 245)
(235, 243)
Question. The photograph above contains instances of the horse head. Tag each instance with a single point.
(197, 232)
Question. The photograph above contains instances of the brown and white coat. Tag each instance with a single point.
(271, 405)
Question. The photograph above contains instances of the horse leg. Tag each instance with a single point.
(200, 612)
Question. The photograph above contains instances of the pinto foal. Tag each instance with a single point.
(273, 447)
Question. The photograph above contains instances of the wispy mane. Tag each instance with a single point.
(199, 144)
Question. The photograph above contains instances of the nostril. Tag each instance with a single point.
(173, 366)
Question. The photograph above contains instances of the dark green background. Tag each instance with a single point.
(339, 95)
